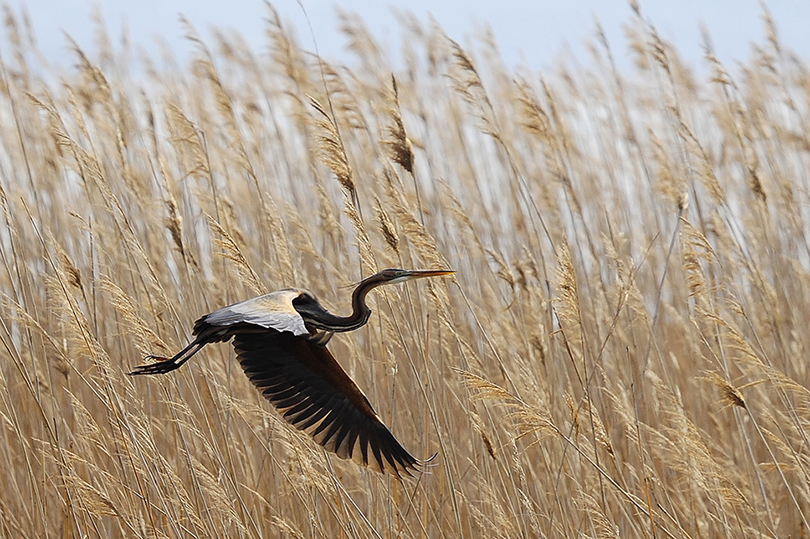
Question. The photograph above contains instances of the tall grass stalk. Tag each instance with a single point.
(622, 351)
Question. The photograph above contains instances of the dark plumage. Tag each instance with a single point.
(280, 341)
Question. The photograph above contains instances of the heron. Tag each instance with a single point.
(280, 341)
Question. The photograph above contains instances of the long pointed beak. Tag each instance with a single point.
(418, 274)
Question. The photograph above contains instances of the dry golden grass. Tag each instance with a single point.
(623, 351)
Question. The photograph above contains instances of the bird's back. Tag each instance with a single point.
(274, 310)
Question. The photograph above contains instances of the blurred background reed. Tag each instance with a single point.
(622, 352)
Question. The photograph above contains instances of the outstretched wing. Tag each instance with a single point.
(312, 392)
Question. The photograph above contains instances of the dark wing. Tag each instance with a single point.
(313, 393)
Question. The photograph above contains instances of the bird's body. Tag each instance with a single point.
(280, 340)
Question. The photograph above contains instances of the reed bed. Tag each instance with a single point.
(622, 352)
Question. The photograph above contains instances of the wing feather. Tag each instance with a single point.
(313, 421)
(305, 409)
(302, 410)
(340, 435)
(328, 420)
(313, 393)
(377, 457)
(273, 311)
(330, 437)
(347, 450)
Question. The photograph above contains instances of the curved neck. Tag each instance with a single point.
(318, 317)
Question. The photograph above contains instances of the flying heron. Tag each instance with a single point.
(280, 340)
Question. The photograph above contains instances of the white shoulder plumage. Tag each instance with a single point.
(274, 310)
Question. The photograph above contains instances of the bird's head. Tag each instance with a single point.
(394, 275)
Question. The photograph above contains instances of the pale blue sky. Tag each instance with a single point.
(531, 33)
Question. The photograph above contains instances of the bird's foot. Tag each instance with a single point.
(163, 365)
